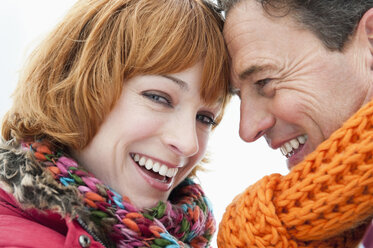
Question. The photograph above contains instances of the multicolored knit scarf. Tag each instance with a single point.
(186, 219)
(325, 201)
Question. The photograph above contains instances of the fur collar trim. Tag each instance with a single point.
(32, 186)
(35, 188)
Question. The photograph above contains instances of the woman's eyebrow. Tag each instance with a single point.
(183, 85)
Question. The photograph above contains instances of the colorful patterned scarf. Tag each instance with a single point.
(186, 219)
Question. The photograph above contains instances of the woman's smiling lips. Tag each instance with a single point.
(156, 173)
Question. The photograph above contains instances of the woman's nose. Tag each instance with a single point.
(181, 136)
(255, 119)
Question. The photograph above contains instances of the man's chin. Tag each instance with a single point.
(293, 161)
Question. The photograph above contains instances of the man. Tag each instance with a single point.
(302, 70)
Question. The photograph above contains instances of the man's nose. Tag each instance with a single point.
(255, 119)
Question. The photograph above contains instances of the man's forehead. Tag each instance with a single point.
(243, 13)
(257, 42)
(250, 16)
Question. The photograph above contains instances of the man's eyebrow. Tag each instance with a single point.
(252, 70)
(183, 85)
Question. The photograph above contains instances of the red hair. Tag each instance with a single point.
(74, 78)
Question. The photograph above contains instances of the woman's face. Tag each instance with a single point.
(154, 136)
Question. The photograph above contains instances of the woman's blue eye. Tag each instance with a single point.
(157, 98)
(207, 120)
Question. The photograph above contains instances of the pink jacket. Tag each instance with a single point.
(368, 238)
(31, 228)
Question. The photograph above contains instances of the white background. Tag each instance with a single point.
(234, 164)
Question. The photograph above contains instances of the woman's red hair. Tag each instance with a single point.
(74, 78)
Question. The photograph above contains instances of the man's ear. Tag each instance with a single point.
(365, 29)
(364, 37)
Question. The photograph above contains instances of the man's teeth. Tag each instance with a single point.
(288, 148)
(161, 169)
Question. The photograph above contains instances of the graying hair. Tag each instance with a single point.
(227, 5)
(332, 21)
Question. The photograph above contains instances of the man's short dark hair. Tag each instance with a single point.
(332, 21)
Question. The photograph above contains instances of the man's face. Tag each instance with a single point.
(293, 90)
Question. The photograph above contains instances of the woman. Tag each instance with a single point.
(109, 121)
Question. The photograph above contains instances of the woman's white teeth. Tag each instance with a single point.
(288, 148)
(170, 173)
(156, 167)
(142, 161)
(161, 169)
(136, 157)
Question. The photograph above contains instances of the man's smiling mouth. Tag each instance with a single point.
(289, 148)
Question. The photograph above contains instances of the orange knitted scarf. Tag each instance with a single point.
(325, 201)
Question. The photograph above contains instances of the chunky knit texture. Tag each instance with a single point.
(325, 201)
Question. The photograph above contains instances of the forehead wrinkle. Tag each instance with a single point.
(250, 56)
(239, 20)
(234, 30)
(250, 71)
